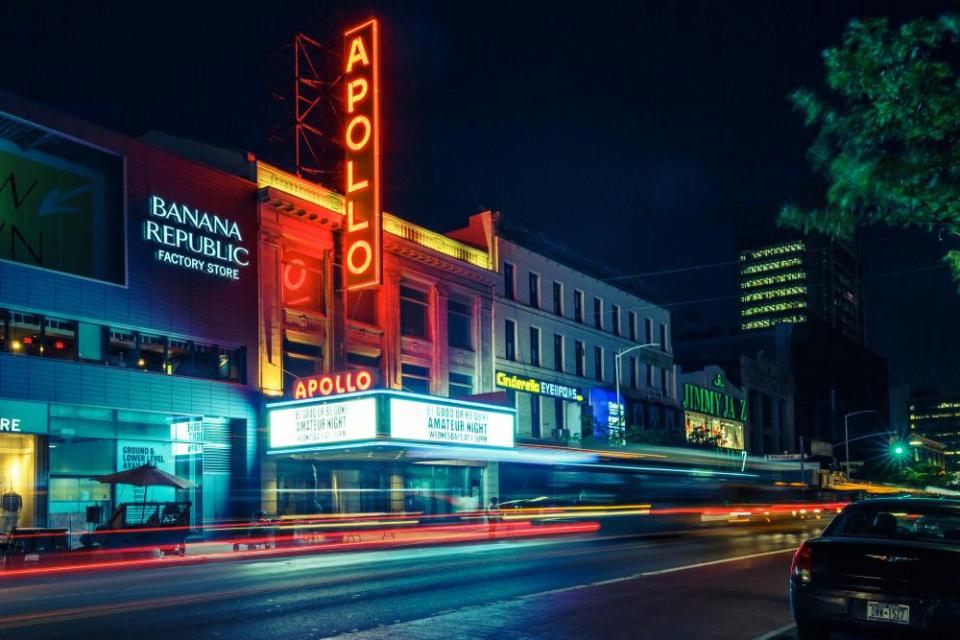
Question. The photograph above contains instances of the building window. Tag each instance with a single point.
(615, 319)
(649, 375)
(598, 313)
(90, 342)
(633, 372)
(59, 339)
(414, 378)
(510, 337)
(460, 385)
(580, 359)
(557, 352)
(558, 414)
(558, 298)
(598, 363)
(534, 290)
(362, 361)
(509, 282)
(578, 306)
(362, 306)
(633, 326)
(413, 312)
(663, 337)
(459, 325)
(663, 381)
(153, 350)
(122, 348)
(24, 330)
(648, 325)
(535, 415)
(301, 357)
(535, 346)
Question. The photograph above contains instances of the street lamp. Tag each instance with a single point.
(616, 367)
(846, 432)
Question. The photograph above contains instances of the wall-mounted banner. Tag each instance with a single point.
(361, 140)
(323, 423)
(193, 239)
(450, 424)
(61, 203)
(714, 403)
(541, 387)
(331, 384)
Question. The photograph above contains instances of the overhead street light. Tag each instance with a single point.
(616, 366)
(846, 432)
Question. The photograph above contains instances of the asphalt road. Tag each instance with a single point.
(728, 583)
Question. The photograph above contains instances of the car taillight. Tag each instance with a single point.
(802, 564)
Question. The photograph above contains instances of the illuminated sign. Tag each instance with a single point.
(61, 203)
(361, 139)
(330, 384)
(323, 423)
(302, 280)
(17, 416)
(450, 423)
(540, 387)
(714, 403)
(187, 437)
(194, 239)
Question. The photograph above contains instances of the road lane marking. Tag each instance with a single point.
(713, 562)
(776, 632)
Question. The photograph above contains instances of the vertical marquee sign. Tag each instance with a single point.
(361, 139)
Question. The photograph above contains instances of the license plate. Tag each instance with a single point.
(886, 612)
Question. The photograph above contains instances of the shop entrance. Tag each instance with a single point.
(18, 463)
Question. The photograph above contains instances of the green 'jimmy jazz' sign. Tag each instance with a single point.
(714, 403)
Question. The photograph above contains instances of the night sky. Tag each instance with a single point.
(632, 131)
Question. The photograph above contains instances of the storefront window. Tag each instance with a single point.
(713, 432)
(69, 500)
(18, 472)
(24, 333)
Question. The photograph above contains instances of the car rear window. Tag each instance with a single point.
(907, 523)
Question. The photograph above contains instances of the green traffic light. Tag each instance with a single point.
(898, 450)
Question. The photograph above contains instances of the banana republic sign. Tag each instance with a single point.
(714, 403)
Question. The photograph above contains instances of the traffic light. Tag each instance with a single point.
(898, 450)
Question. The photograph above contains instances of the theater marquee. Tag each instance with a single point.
(361, 139)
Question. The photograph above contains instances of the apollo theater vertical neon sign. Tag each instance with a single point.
(361, 139)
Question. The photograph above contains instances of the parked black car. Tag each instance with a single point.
(883, 566)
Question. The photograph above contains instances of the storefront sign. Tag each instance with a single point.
(323, 423)
(361, 137)
(193, 239)
(135, 453)
(714, 403)
(330, 384)
(450, 424)
(540, 387)
(22, 417)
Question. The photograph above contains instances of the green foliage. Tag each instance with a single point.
(888, 131)
(925, 475)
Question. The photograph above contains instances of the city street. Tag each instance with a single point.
(719, 583)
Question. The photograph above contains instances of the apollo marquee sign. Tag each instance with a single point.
(189, 238)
